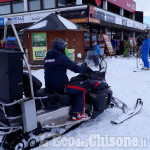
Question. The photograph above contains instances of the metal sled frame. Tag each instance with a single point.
(8, 129)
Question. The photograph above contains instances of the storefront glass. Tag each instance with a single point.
(61, 3)
(49, 4)
(18, 7)
(34, 5)
(5, 9)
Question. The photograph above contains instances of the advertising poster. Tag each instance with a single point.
(109, 45)
(71, 54)
(39, 46)
(39, 53)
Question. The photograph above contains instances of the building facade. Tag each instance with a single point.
(118, 18)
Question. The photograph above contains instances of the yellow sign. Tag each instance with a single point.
(39, 53)
(79, 20)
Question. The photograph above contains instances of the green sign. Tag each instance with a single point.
(39, 54)
(39, 39)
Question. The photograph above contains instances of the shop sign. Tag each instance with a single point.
(124, 22)
(17, 19)
(92, 15)
(94, 20)
(118, 20)
(99, 14)
(26, 18)
(79, 20)
(1, 21)
(129, 5)
(75, 14)
(110, 18)
(39, 44)
(39, 53)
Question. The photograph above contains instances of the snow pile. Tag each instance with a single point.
(39, 25)
(67, 23)
(127, 86)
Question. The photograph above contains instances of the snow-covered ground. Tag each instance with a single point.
(127, 86)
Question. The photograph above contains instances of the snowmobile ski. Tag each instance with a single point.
(132, 112)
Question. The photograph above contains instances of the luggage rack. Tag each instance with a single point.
(4, 105)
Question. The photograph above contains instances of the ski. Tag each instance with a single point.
(142, 70)
(132, 112)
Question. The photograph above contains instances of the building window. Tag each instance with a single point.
(49, 4)
(61, 3)
(34, 5)
(18, 7)
(5, 9)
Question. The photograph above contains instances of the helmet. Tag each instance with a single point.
(59, 44)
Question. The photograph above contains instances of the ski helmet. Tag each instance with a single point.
(59, 44)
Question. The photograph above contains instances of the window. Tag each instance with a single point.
(49, 4)
(61, 3)
(18, 7)
(34, 5)
(5, 9)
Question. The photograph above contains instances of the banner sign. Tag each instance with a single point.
(109, 45)
(104, 15)
(3, 1)
(27, 18)
(39, 44)
(129, 5)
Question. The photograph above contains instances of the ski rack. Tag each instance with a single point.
(28, 105)
(21, 48)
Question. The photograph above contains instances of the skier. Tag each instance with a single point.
(97, 53)
(126, 48)
(56, 64)
(145, 52)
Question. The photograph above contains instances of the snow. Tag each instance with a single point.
(39, 25)
(67, 23)
(127, 86)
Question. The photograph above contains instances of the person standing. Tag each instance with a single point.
(145, 52)
(97, 53)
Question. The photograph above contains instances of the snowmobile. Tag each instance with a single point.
(40, 111)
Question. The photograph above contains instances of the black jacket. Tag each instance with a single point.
(56, 64)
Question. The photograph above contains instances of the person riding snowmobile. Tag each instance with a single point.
(56, 64)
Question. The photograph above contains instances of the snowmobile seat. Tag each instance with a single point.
(37, 84)
(53, 99)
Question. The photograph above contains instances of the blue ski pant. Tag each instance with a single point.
(78, 92)
(145, 59)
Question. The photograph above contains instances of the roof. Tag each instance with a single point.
(53, 22)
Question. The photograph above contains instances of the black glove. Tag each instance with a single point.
(84, 64)
(89, 70)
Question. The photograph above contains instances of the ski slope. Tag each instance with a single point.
(127, 86)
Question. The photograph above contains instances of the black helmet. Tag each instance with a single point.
(59, 44)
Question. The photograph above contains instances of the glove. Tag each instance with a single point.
(84, 64)
(89, 70)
